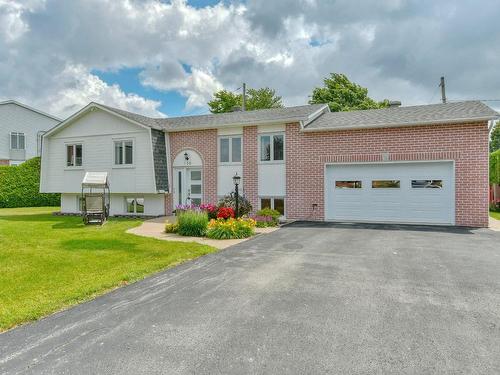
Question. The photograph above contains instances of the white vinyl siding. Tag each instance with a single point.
(97, 131)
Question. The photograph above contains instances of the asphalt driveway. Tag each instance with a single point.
(305, 299)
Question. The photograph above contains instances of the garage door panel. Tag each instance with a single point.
(420, 202)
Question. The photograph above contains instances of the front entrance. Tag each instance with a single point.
(188, 186)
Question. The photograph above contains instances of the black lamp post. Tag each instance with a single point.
(236, 181)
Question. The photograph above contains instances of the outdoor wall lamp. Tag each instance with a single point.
(186, 156)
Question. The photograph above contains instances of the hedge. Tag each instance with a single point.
(20, 186)
(495, 167)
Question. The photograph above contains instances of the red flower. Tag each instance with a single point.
(225, 213)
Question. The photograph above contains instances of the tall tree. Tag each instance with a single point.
(343, 95)
(225, 101)
(495, 138)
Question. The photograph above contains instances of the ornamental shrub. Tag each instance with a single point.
(270, 212)
(264, 221)
(210, 209)
(20, 186)
(171, 227)
(221, 229)
(225, 213)
(244, 206)
(192, 223)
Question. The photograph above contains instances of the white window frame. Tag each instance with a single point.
(272, 202)
(74, 166)
(271, 161)
(123, 140)
(17, 135)
(135, 205)
(230, 138)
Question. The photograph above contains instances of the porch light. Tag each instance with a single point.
(186, 156)
(236, 179)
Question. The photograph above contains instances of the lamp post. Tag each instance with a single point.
(236, 181)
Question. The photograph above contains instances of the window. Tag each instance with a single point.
(230, 150)
(272, 147)
(134, 205)
(277, 204)
(347, 184)
(17, 141)
(74, 155)
(124, 152)
(385, 184)
(426, 184)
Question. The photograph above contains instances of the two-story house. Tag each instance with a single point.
(21, 130)
(419, 164)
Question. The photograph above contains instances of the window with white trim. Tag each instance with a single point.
(134, 205)
(74, 155)
(17, 141)
(124, 152)
(275, 203)
(230, 149)
(272, 147)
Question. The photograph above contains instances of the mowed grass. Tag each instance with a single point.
(495, 215)
(50, 262)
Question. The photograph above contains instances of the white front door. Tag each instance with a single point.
(422, 192)
(188, 186)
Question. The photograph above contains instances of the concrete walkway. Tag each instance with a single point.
(494, 224)
(156, 228)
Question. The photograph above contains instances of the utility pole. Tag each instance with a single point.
(244, 101)
(443, 90)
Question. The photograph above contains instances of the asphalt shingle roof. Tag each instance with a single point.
(278, 115)
(404, 116)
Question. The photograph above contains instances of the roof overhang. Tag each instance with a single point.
(401, 125)
(82, 112)
(289, 120)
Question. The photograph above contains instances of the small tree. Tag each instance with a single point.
(225, 101)
(343, 95)
(495, 138)
(495, 167)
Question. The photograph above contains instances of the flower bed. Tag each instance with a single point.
(231, 228)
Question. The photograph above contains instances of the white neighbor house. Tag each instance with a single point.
(21, 128)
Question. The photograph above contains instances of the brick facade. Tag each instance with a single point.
(250, 165)
(204, 142)
(4, 162)
(466, 144)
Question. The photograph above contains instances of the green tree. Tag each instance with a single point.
(495, 138)
(343, 95)
(225, 101)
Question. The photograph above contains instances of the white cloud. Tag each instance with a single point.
(398, 49)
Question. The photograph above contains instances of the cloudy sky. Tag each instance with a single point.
(166, 58)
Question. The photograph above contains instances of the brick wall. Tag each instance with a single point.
(204, 142)
(250, 166)
(4, 162)
(467, 144)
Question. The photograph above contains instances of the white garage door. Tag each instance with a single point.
(392, 192)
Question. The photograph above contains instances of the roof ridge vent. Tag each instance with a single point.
(394, 103)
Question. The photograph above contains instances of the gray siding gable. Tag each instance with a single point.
(160, 159)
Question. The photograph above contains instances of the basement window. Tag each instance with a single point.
(134, 205)
(277, 204)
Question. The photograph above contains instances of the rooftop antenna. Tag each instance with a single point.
(443, 90)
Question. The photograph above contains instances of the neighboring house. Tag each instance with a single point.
(421, 164)
(21, 129)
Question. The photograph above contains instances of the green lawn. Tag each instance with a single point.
(495, 215)
(50, 262)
